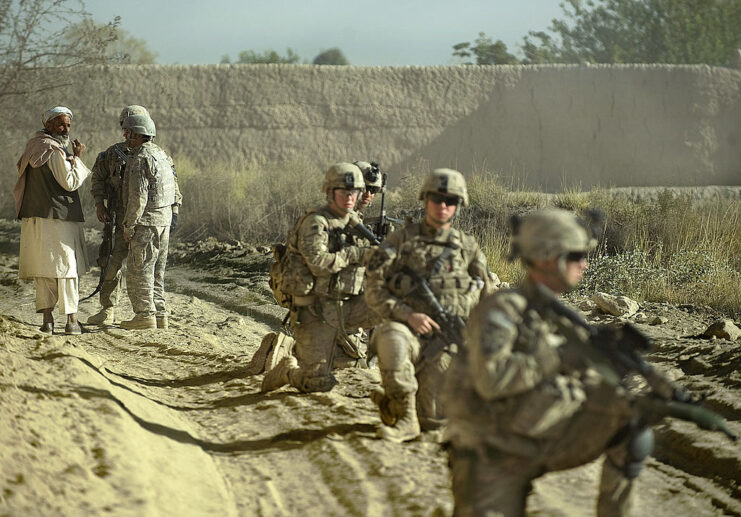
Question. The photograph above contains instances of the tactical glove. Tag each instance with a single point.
(174, 223)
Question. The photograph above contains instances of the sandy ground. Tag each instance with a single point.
(155, 423)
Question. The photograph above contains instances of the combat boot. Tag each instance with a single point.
(140, 323)
(162, 322)
(407, 426)
(379, 398)
(278, 376)
(106, 316)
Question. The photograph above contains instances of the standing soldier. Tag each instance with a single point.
(107, 179)
(324, 276)
(412, 355)
(520, 404)
(149, 194)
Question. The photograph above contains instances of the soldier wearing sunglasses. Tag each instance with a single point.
(373, 183)
(520, 402)
(411, 362)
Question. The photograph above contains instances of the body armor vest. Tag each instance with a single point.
(445, 267)
(161, 178)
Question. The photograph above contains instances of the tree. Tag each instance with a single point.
(332, 56)
(36, 34)
(121, 47)
(486, 51)
(268, 56)
(640, 31)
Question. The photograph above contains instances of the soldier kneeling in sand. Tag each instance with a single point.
(322, 278)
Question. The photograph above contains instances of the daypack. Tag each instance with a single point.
(289, 274)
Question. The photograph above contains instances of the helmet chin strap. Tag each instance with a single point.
(559, 274)
(333, 203)
(562, 273)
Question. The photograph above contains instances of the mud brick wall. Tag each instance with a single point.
(544, 127)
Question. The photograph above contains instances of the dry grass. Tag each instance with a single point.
(671, 248)
(245, 202)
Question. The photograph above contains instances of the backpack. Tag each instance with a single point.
(289, 274)
(277, 269)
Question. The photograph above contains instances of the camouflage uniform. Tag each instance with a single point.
(516, 410)
(107, 180)
(456, 271)
(319, 320)
(149, 193)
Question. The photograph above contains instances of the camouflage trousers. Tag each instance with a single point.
(316, 329)
(495, 482)
(147, 259)
(405, 371)
(109, 291)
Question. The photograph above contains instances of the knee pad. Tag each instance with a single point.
(640, 445)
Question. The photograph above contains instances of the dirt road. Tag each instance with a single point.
(166, 423)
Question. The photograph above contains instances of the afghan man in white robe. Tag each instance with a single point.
(53, 250)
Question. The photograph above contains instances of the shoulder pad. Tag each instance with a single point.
(412, 229)
(509, 301)
(496, 330)
(315, 221)
(468, 241)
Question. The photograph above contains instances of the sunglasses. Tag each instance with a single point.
(348, 192)
(373, 190)
(440, 198)
(576, 256)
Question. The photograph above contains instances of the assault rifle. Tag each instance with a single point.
(105, 250)
(381, 223)
(614, 353)
(358, 229)
(450, 334)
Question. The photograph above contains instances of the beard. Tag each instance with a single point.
(62, 139)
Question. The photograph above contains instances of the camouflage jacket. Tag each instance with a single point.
(333, 258)
(449, 260)
(107, 177)
(510, 389)
(148, 187)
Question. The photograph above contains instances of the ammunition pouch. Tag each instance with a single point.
(348, 282)
(545, 411)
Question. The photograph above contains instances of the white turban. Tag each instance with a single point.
(55, 112)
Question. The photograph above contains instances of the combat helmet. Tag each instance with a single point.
(371, 174)
(140, 125)
(343, 175)
(445, 181)
(132, 109)
(549, 233)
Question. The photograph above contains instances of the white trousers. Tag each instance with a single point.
(51, 290)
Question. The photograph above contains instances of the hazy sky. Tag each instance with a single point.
(380, 32)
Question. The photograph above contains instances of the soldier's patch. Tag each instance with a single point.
(497, 332)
